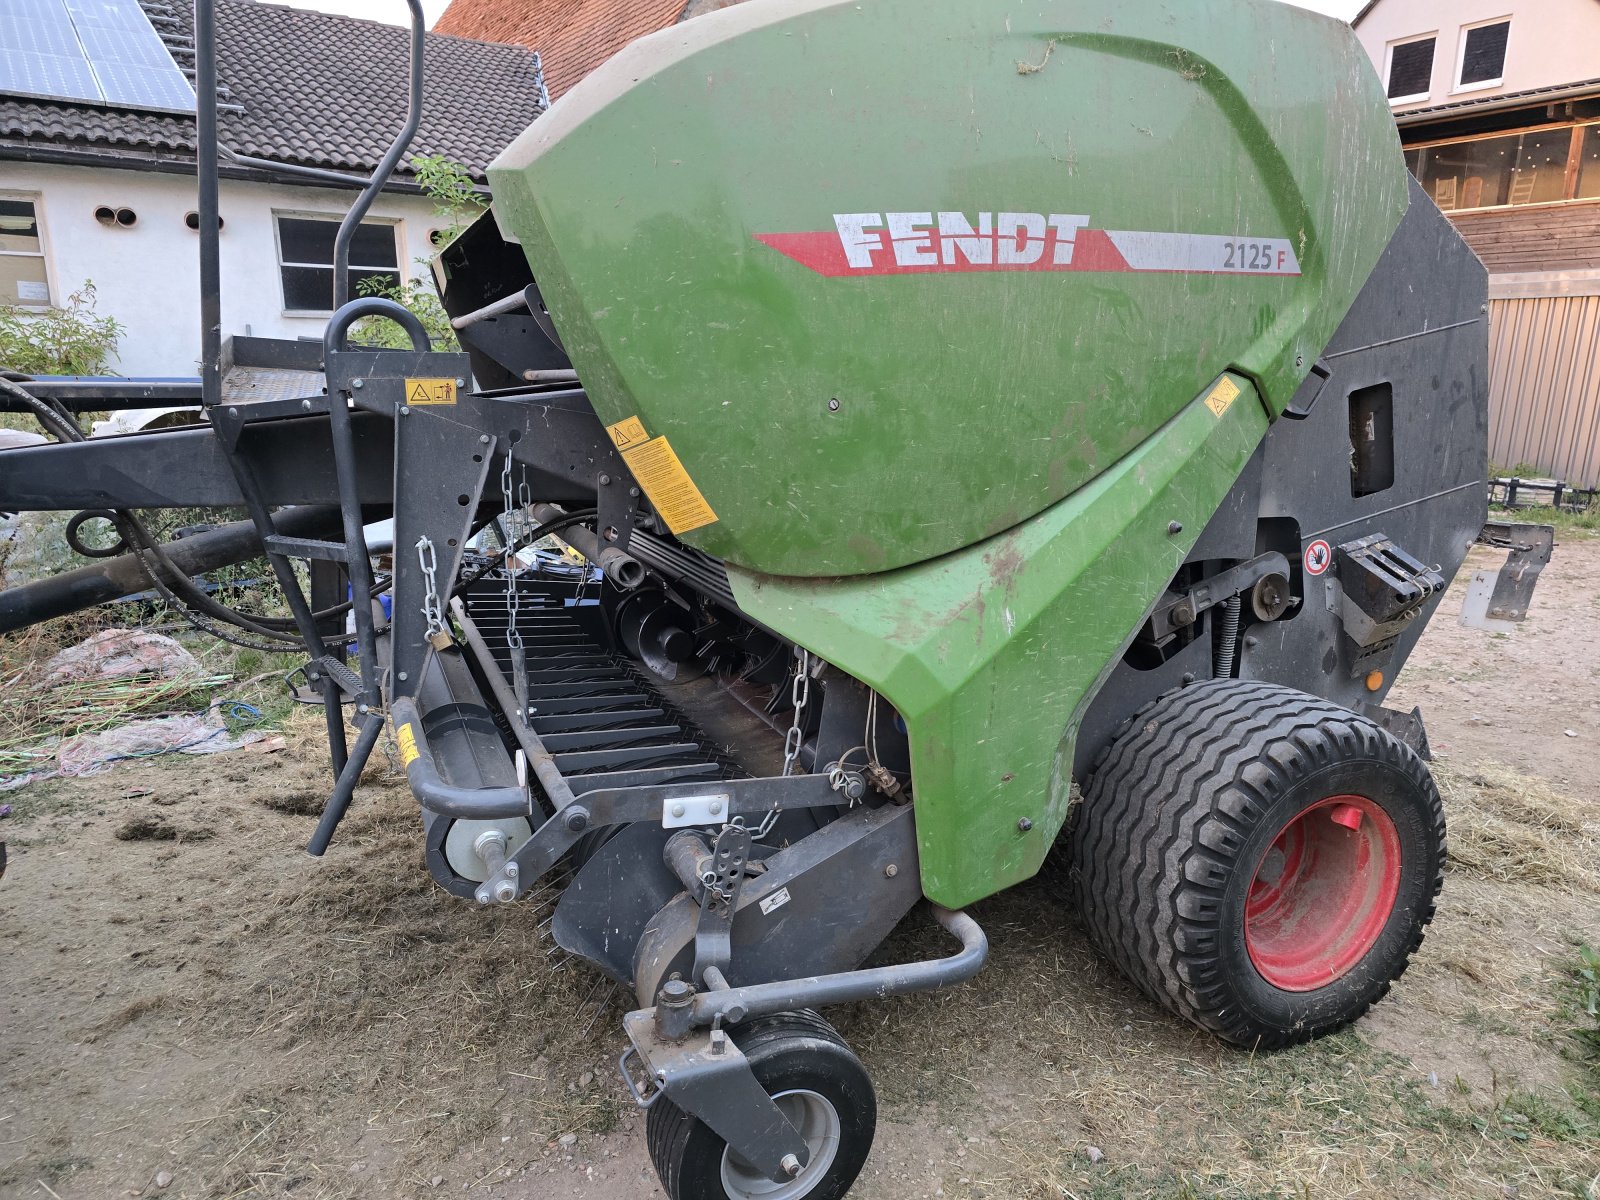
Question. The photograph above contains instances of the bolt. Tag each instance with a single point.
(505, 891)
(233, 412)
(355, 383)
(461, 383)
(714, 807)
(1174, 526)
(483, 438)
(790, 1164)
(1252, 641)
(511, 870)
(405, 411)
(891, 871)
(482, 896)
(305, 406)
(1025, 824)
(403, 676)
(1299, 360)
(633, 492)
(833, 405)
(678, 810)
(576, 819)
(675, 993)
(605, 479)
(361, 708)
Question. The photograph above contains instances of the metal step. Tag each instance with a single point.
(293, 547)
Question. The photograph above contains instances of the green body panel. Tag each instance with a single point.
(967, 400)
(992, 653)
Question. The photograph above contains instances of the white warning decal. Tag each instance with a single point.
(774, 902)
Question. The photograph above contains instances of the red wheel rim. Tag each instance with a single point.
(1322, 893)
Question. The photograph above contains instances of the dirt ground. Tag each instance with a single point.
(191, 1007)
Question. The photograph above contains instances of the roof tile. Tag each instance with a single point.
(317, 90)
(573, 37)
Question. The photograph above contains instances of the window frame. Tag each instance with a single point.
(1457, 87)
(36, 199)
(1388, 67)
(395, 224)
(1573, 176)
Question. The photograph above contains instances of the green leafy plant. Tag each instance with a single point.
(456, 200)
(1586, 997)
(416, 295)
(69, 339)
(457, 203)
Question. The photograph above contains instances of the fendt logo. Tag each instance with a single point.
(909, 243)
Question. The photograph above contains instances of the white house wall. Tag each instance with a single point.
(147, 276)
(1551, 42)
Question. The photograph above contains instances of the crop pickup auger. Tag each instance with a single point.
(960, 398)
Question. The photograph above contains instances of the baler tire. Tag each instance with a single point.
(789, 1052)
(1205, 863)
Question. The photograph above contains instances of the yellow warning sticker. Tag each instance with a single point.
(430, 391)
(1224, 394)
(655, 465)
(408, 746)
(629, 433)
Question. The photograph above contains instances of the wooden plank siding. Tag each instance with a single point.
(1556, 237)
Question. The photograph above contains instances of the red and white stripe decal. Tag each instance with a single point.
(919, 244)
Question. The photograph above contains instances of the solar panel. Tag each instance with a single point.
(98, 51)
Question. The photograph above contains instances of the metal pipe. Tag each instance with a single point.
(622, 568)
(266, 164)
(333, 338)
(333, 811)
(344, 456)
(432, 792)
(113, 578)
(819, 991)
(495, 308)
(205, 151)
(352, 219)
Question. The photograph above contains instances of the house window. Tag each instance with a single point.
(1589, 164)
(1532, 167)
(23, 277)
(1411, 69)
(1483, 55)
(305, 259)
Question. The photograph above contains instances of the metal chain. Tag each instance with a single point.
(799, 693)
(432, 611)
(516, 517)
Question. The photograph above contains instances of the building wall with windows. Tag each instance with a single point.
(1459, 48)
(276, 249)
(1498, 107)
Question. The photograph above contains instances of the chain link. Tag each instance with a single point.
(432, 610)
(799, 694)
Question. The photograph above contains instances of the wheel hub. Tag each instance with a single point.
(817, 1121)
(1322, 893)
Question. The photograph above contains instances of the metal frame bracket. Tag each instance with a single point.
(709, 1077)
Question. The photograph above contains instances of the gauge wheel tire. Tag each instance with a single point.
(1260, 861)
(818, 1082)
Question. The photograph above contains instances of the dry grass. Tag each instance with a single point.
(428, 1021)
(1506, 825)
(1050, 1052)
(378, 1022)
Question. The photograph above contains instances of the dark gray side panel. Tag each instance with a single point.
(1419, 328)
